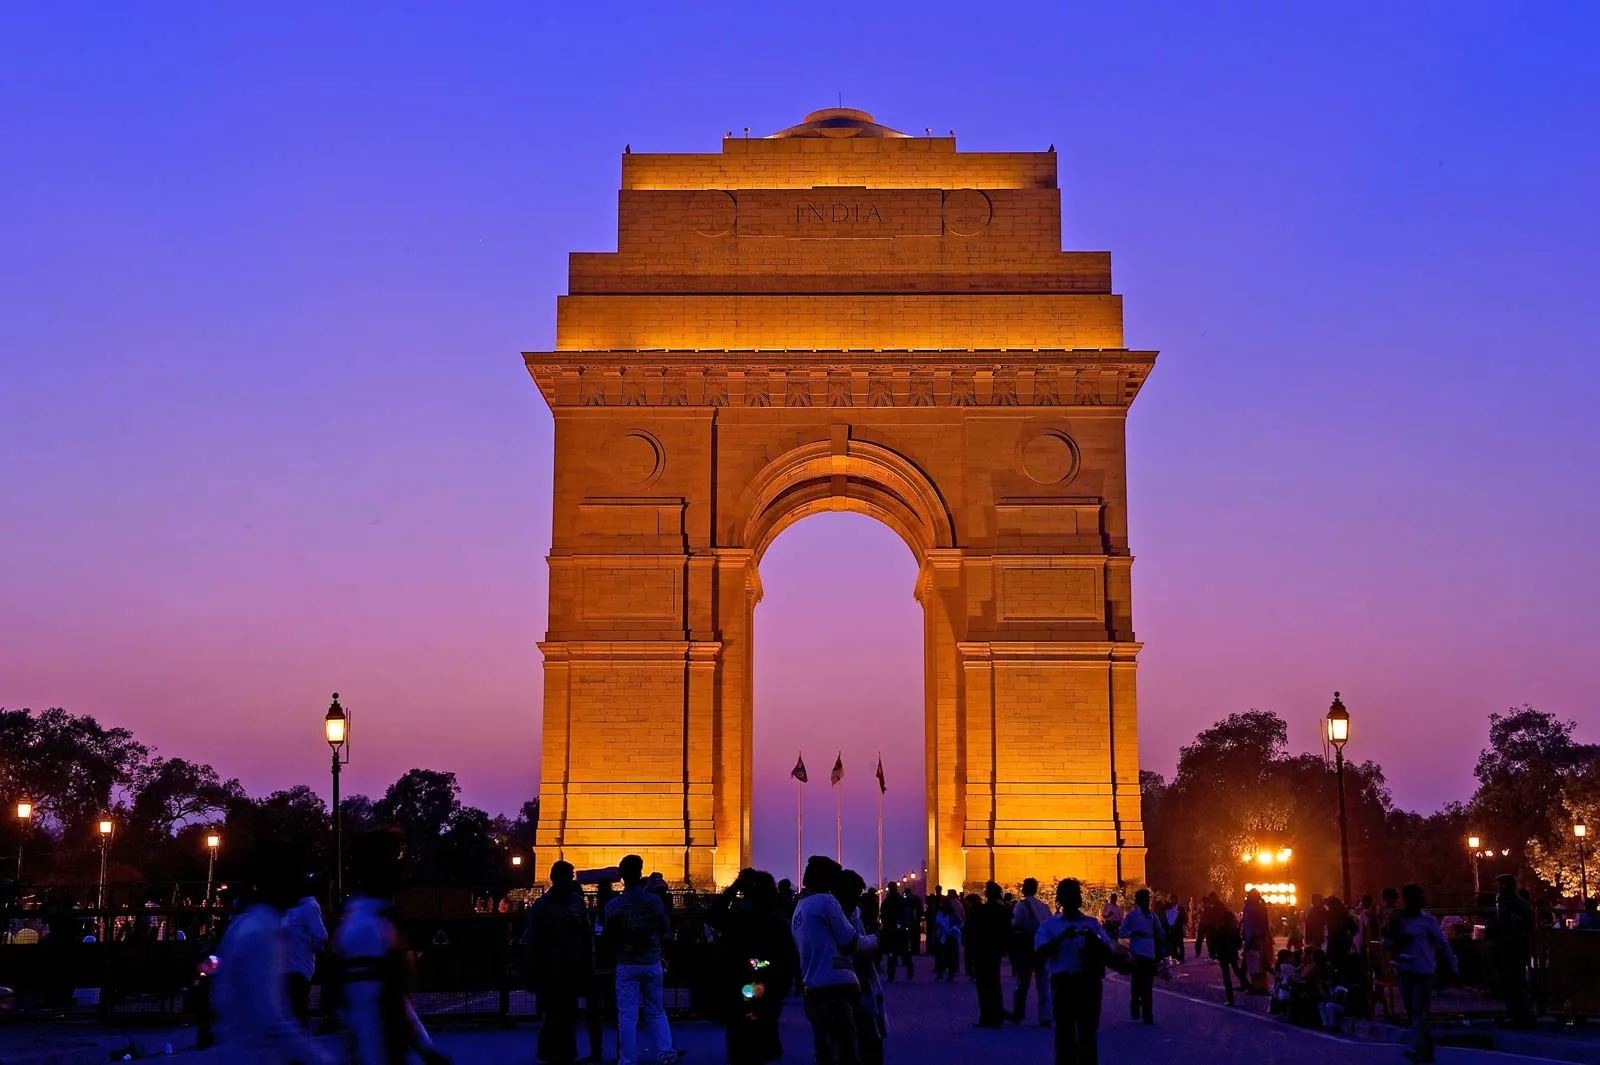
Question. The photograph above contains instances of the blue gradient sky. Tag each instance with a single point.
(265, 275)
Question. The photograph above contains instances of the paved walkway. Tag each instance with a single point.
(931, 1024)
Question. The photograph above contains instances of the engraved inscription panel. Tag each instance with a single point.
(1037, 593)
(627, 594)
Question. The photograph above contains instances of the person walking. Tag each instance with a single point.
(1420, 948)
(826, 941)
(254, 1025)
(1177, 919)
(1075, 949)
(381, 1025)
(1223, 942)
(1142, 929)
(899, 928)
(947, 939)
(560, 944)
(636, 923)
(1026, 917)
(305, 935)
(988, 931)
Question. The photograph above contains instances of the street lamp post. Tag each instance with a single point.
(106, 826)
(24, 818)
(1339, 735)
(336, 730)
(213, 841)
(1473, 842)
(1581, 831)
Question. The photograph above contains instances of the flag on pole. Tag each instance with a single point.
(838, 770)
(799, 770)
(882, 787)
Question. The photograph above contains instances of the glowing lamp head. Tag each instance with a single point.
(213, 840)
(1473, 843)
(1284, 853)
(1580, 829)
(336, 725)
(516, 859)
(25, 810)
(106, 826)
(1338, 723)
(1265, 858)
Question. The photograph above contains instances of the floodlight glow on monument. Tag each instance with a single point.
(746, 352)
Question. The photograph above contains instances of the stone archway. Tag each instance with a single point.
(749, 357)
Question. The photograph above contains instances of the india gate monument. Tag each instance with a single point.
(842, 317)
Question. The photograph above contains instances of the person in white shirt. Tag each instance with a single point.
(1421, 950)
(826, 939)
(381, 1025)
(1143, 931)
(1075, 949)
(1111, 916)
(304, 937)
(1026, 917)
(253, 1022)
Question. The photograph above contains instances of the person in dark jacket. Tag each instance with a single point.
(560, 945)
(755, 965)
(600, 1004)
(1223, 942)
(988, 932)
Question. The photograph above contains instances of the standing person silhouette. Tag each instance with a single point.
(561, 958)
(1026, 917)
(1075, 949)
(826, 941)
(988, 931)
(1145, 935)
(636, 922)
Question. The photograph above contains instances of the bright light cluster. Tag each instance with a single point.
(1282, 854)
(1276, 894)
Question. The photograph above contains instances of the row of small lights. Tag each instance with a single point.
(1277, 894)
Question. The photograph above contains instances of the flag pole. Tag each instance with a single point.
(799, 833)
(839, 814)
(880, 822)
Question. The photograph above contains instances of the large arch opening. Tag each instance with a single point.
(838, 673)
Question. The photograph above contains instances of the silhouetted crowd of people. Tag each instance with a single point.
(598, 960)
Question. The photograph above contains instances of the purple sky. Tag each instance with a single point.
(264, 279)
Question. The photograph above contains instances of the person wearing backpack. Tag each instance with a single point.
(636, 923)
(561, 961)
(1026, 918)
(1076, 951)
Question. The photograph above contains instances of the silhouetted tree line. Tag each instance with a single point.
(76, 770)
(1238, 790)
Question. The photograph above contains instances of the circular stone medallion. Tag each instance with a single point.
(635, 457)
(966, 212)
(713, 212)
(1050, 457)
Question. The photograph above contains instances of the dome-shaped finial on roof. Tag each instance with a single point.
(838, 122)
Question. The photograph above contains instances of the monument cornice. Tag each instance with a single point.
(912, 377)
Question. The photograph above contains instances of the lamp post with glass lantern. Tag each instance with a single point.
(1473, 843)
(1581, 831)
(106, 826)
(336, 730)
(24, 819)
(1339, 735)
(213, 841)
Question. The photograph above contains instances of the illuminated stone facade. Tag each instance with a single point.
(840, 317)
